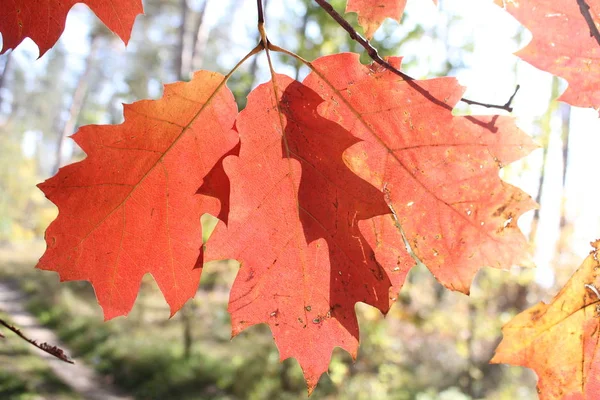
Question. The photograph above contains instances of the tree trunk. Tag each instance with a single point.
(79, 95)
(187, 317)
(180, 61)
(565, 231)
(200, 39)
(187, 311)
(302, 44)
(4, 77)
(565, 111)
(546, 124)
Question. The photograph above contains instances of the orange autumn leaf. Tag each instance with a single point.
(44, 20)
(293, 226)
(563, 44)
(560, 341)
(380, 232)
(372, 13)
(131, 206)
(439, 172)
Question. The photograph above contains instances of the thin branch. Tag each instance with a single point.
(487, 125)
(261, 13)
(584, 8)
(52, 350)
(372, 52)
(507, 106)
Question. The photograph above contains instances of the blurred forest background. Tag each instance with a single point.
(434, 344)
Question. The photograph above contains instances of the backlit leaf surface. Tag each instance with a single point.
(131, 206)
(560, 341)
(562, 44)
(44, 20)
(439, 172)
(372, 13)
(293, 226)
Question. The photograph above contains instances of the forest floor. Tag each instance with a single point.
(146, 355)
(149, 356)
(79, 377)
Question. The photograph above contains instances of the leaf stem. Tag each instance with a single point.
(372, 52)
(259, 47)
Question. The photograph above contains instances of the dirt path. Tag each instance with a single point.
(79, 376)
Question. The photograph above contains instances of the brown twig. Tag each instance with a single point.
(52, 350)
(487, 125)
(261, 13)
(372, 52)
(507, 106)
(584, 8)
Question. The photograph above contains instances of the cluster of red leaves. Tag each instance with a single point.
(312, 237)
(319, 186)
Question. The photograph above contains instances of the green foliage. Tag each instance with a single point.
(23, 211)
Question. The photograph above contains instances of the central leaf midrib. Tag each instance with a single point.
(159, 160)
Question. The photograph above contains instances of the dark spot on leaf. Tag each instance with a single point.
(250, 275)
(499, 211)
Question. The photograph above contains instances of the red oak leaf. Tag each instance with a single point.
(293, 226)
(216, 184)
(380, 232)
(439, 172)
(561, 340)
(563, 44)
(372, 13)
(44, 20)
(131, 206)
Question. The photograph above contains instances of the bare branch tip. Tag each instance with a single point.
(52, 350)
